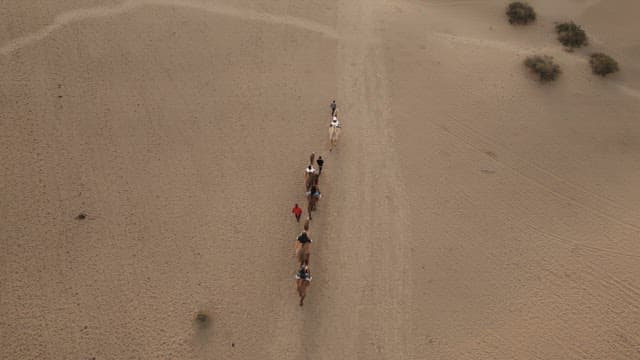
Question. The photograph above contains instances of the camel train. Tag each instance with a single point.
(311, 180)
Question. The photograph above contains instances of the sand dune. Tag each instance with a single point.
(469, 212)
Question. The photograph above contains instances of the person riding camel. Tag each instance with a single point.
(308, 171)
(313, 195)
(303, 248)
(303, 280)
(335, 122)
(303, 238)
(304, 273)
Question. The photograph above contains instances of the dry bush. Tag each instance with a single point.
(602, 64)
(202, 319)
(543, 66)
(520, 13)
(571, 35)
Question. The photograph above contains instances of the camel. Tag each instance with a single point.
(311, 180)
(310, 206)
(303, 248)
(308, 171)
(313, 195)
(303, 253)
(334, 133)
(312, 157)
(303, 280)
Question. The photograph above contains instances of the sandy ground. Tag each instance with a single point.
(469, 212)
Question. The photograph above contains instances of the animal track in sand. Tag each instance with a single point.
(77, 15)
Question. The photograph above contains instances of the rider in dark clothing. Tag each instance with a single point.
(304, 273)
(303, 238)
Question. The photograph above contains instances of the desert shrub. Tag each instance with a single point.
(202, 319)
(543, 66)
(520, 13)
(571, 35)
(603, 64)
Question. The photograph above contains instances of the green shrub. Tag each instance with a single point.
(520, 13)
(543, 66)
(603, 64)
(571, 35)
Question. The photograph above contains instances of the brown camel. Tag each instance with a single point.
(312, 158)
(313, 195)
(303, 280)
(311, 180)
(312, 200)
(303, 248)
(308, 172)
(310, 206)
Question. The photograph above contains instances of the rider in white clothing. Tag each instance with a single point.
(335, 122)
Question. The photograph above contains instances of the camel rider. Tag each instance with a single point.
(304, 273)
(303, 238)
(309, 170)
(335, 122)
(316, 192)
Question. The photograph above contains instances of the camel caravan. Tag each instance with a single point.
(313, 195)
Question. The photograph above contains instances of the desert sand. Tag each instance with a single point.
(468, 212)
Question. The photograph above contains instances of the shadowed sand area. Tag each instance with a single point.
(469, 212)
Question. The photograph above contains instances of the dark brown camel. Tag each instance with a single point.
(311, 180)
(303, 248)
(313, 195)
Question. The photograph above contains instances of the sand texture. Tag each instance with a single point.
(468, 212)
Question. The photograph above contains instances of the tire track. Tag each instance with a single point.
(628, 294)
(575, 243)
(78, 15)
(369, 240)
(552, 183)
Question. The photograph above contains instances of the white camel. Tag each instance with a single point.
(334, 132)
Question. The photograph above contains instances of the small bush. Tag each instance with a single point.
(202, 319)
(544, 66)
(520, 13)
(571, 35)
(603, 64)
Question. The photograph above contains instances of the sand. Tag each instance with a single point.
(469, 212)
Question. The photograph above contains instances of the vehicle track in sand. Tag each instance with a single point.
(78, 15)
(361, 290)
